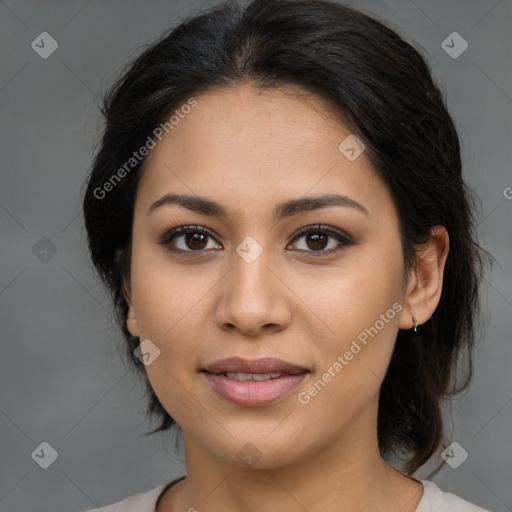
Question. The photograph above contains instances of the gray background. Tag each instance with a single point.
(62, 380)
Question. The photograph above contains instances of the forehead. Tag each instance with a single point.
(246, 145)
(279, 120)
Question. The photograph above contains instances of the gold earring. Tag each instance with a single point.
(414, 319)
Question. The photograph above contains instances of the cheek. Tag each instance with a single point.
(359, 309)
(167, 314)
(352, 364)
(347, 299)
(165, 294)
(166, 298)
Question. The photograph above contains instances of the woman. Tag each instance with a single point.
(278, 210)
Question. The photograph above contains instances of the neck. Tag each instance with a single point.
(347, 474)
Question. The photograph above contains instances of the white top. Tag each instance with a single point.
(433, 500)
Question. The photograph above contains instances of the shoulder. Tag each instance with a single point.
(435, 500)
(141, 502)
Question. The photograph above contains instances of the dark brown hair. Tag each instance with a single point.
(382, 87)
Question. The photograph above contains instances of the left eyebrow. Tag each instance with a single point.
(306, 204)
(286, 209)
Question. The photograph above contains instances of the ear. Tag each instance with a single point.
(425, 281)
(131, 319)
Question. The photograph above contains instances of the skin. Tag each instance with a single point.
(250, 150)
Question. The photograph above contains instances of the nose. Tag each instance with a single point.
(252, 298)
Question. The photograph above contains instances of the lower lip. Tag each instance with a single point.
(251, 393)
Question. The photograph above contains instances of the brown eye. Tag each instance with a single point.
(188, 239)
(195, 241)
(317, 239)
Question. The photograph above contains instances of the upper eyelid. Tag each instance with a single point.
(321, 227)
(331, 231)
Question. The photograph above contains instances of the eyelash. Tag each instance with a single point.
(183, 230)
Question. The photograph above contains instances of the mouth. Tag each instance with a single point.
(262, 366)
(252, 376)
(255, 382)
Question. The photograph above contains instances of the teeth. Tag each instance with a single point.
(253, 376)
(261, 376)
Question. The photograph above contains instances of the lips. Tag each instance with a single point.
(254, 366)
(255, 382)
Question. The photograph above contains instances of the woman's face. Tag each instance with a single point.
(252, 287)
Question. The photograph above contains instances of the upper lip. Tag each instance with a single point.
(261, 365)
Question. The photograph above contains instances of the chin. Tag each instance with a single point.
(262, 446)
